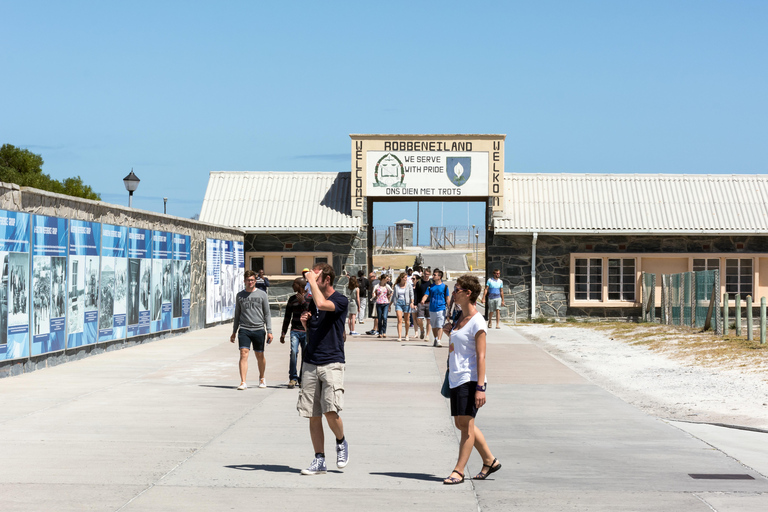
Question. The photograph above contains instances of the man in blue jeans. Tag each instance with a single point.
(296, 305)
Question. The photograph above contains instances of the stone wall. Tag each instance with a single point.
(39, 202)
(512, 255)
(349, 249)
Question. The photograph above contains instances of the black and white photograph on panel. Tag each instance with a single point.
(157, 288)
(167, 284)
(76, 293)
(4, 299)
(91, 283)
(18, 293)
(121, 285)
(107, 306)
(186, 283)
(144, 285)
(134, 279)
(58, 284)
(177, 268)
(41, 304)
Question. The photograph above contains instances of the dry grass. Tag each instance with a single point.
(393, 260)
(689, 346)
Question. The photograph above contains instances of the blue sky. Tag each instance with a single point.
(175, 90)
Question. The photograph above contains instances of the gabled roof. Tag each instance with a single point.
(271, 202)
(634, 204)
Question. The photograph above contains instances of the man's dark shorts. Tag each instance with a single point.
(246, 338)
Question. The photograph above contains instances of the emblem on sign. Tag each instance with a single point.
(458, 169)
(389, 172)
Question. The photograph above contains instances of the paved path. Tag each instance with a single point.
(160, 427)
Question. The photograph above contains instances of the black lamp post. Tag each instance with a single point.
(131, 184)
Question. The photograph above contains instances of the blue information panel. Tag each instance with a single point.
(212, 280)
(14, 289)
(83, 310)
(139, 270)
(162, 281)
(228, 280)
(181, 280)
(239, 265)
(114, 282)
(49, 284)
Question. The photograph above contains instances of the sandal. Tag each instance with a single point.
(491, 469)
(452, 480)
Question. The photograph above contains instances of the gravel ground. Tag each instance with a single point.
(662, 384)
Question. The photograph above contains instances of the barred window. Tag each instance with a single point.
(289, 265)
(700, 264)
(738, 277)
(589, 279)
(621, 279)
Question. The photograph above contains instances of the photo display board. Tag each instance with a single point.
(239, 267)
(227, 288)
(83, 303)
(225, 265)
(49, 284)
(139, 270)
(212, 280)
(114, 282)
(182, 280)
(14, 288)
(162, 281)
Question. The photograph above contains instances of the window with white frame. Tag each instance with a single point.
(738, 277)
(588, 279)
(622, 279)
(289, 265)
(700, 264)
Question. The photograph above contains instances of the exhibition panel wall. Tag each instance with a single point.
(115, 279)
(80, 277)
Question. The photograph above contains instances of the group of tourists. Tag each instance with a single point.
(316, 315)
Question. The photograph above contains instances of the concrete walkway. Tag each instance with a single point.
(160, 427)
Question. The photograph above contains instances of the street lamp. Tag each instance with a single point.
(131, 184)
(477, 246)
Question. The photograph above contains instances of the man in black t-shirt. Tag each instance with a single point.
(322, 387)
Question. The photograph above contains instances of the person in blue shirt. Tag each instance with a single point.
(437, 294)
(494, 293)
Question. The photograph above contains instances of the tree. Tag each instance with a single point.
(25, 168)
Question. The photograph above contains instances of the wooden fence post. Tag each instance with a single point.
(762, 320)
(726, 314)
(738, 315)
(750, 336)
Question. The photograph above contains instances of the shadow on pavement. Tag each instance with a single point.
(272, 468)
(413, 476)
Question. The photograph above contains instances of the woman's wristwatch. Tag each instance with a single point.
(480, 388)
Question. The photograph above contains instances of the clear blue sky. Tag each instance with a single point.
(175, 90)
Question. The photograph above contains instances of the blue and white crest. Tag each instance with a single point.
(458, 168)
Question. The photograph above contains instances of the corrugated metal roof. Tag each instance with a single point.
(634, 203)
(262, 202)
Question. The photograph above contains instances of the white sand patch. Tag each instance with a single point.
(661, 385)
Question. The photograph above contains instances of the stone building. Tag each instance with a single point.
(590, 235)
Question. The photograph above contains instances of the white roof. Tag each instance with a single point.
(274, 202)
(634, 203)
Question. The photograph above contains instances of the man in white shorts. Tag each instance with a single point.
(437, 294)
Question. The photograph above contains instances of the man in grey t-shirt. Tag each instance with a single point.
(253, 319)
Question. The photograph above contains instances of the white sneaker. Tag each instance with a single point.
(436, 343)
(242, 386)
(317, 467)
(263, 383)
(342, 454)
